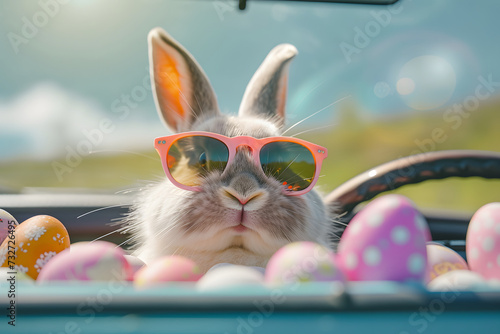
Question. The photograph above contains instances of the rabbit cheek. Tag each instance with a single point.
(201, 219)
(285, 220)
(199, 213)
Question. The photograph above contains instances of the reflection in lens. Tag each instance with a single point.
(191, 158)
(290, 163)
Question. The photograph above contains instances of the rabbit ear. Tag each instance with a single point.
(181, 89)
(266, 92)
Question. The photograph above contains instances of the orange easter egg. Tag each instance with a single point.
(33, 243)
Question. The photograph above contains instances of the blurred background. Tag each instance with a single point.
(77, 113)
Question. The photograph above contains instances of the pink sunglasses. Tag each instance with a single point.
(190, 156)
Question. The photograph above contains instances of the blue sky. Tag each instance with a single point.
(426, 55)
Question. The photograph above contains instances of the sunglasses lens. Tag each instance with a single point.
(190, 159)
(290, 163)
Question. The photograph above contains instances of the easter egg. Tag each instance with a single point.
(35, 242)
(167, 269)
(228, 276)
(76, 245)
(483, 241)
(457, 280)
(302, 261)
(386, 240)
(218, 265)
(94, 261)
(7, 223)
(441, 259)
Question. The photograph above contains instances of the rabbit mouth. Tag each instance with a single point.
(240, 228)
(241, 220)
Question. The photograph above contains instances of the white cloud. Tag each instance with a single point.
(43, 121)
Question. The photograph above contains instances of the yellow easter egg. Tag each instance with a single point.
(32, 244)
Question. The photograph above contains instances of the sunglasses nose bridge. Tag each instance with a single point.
(244, 147)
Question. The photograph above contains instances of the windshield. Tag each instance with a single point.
(77, 112)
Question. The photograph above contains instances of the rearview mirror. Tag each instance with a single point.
(242, 3)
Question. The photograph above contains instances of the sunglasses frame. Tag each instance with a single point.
(163, 144)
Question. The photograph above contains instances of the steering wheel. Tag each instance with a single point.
(410, 170)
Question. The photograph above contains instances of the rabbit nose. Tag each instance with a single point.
(251, 201)
(230, 193)
(243, 190)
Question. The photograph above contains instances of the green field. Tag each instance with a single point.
(354, 143)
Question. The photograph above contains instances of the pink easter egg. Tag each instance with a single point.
(483, 241)
(93, 261)
(7, 224)
(385, 241)
(167, 269)
(441, 259)
(303, 262)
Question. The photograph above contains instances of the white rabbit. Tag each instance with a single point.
(167, 220)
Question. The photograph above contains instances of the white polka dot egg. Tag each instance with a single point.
(33, 243)
(386, 240)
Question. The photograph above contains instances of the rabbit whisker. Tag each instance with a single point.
(128, 191)
(107, 234)
(314, 114)
(123, 243)
(314, 129)
(336, 236)
(104, 208)
(190, 228)
(198, 103)
(171, 227)
(166, 229)
(117, 219)
(339, 223)
(291, 162)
